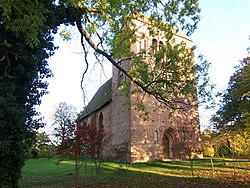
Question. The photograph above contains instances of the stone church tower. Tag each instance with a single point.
(131, 136)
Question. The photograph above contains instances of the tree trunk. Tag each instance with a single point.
(212, 165)
(192, 167)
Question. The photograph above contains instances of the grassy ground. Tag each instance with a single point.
(171, 174)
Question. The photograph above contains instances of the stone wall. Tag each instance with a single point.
(120, 115)
(149, 132)
(132, 136)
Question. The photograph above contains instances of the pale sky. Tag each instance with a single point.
(222, 36)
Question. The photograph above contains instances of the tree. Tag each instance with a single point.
(108, 27)
(207, 139)
(232, 118)
(234, 111)
(25, 45)
(86, 142)
(64, 122)
(43, 146)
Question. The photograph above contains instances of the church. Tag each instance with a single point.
(130, 135)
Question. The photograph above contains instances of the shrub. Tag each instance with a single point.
(208, 151)
(46, 153)
(34, 153)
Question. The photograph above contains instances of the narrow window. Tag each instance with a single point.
(145, 44)
(154, 45)
(156, 136)
(101, 122)
(100, 134)
(119, 80)
(141, 44)
(160, 45)
(145, 136)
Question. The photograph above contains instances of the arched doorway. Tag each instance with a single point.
(169, 140)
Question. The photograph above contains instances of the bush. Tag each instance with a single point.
(46, 153)
(208, 151)
(34, 153)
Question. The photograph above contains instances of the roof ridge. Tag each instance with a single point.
(100, 98)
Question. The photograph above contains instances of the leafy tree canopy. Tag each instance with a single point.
(25, 45)
(234, 111)
(26, 41)
(233, 115)
(64, 124)
(109, 28)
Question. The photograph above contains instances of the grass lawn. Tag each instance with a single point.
(171, 174)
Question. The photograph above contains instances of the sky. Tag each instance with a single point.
(222, 37)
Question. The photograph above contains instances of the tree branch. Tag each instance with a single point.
(171, 104)
(87, 10)
(86, 69)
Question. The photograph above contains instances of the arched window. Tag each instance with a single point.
(101, 122)
(119, 79)
(100, 136)
(141, 45)
(160, 45)
(145, 44)
(156, 136)
(154, 45)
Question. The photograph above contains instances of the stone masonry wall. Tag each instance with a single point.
(120, 115)
(147, 132)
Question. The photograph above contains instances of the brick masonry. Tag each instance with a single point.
(133, 137)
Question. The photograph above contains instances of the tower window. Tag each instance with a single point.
(156, 136)
(119, 80)
(141, 44)
(101, 127)
(145, 44)
(160, 45)
(154, 45)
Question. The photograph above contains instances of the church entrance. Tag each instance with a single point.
(169, 139)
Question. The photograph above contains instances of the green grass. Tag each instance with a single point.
(46, 173)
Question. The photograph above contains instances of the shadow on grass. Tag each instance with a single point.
(143, 179)
(197, 163)
(126, 179)
(42, 173)
(177, 165)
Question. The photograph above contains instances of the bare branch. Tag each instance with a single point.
(92, 44)
(86, 69)
(87, 10)
(172, 104)
(8, 66)
(3, 57)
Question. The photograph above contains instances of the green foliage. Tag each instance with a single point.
(43, 146)
(46, 153)
(34, 153)
(65, 34)
(232, 118)
(208, 151)
(204, 87)
(25, 44)
(29, 19)
(234, 108)
(64, 121)
(168, 74)
(208, 143)
(240, 144)
(227, 143)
